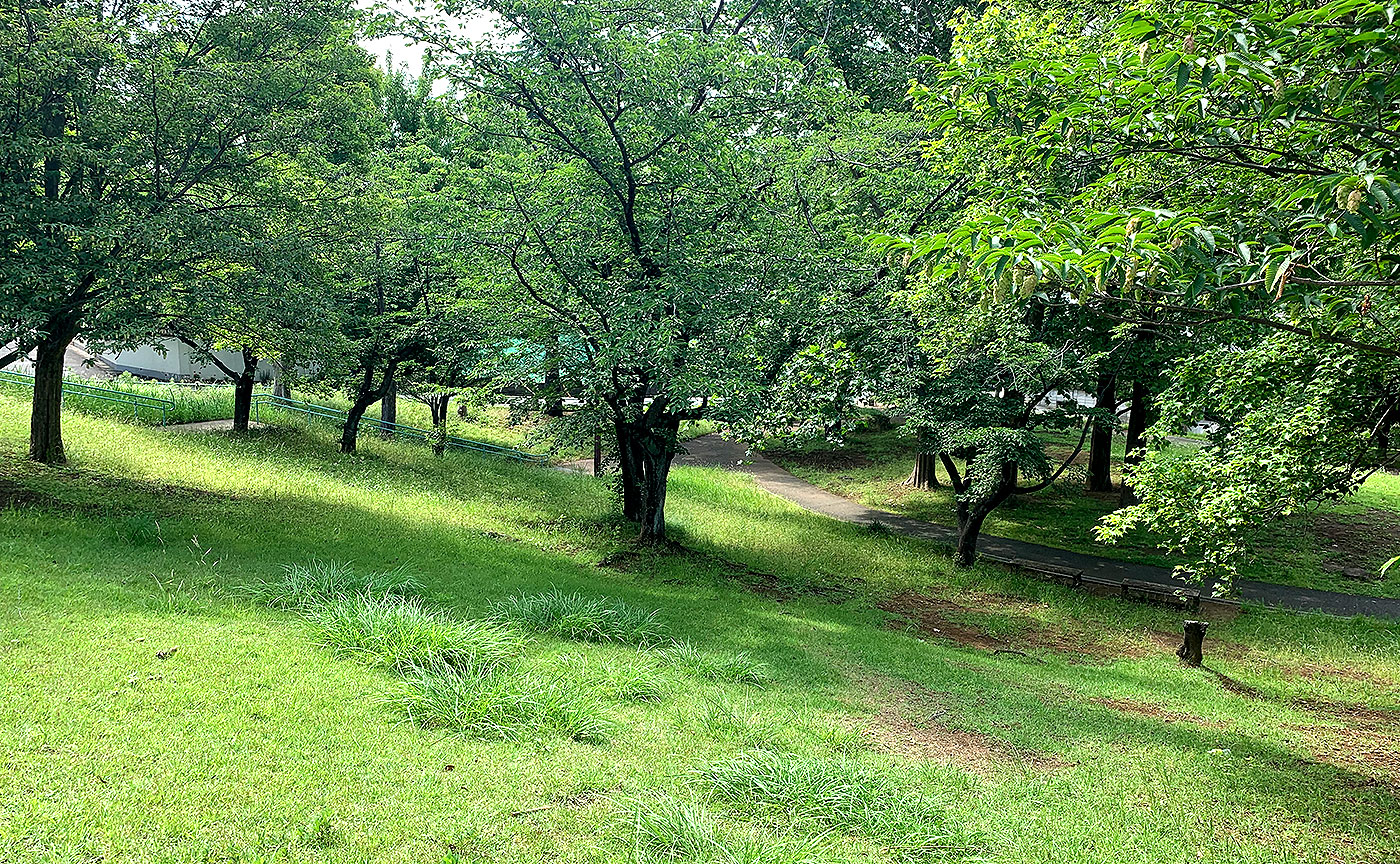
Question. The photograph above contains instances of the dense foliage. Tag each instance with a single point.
(640, 216)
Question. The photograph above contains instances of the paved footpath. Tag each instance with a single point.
(712, 450)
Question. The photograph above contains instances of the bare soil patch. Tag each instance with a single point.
(958, 623)
(910, 723)
(1351, 542)
(1147, 709)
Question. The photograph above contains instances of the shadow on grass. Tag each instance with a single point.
(438, 521)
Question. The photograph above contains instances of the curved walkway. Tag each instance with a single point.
(714, 451)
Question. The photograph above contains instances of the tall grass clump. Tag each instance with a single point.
(837, 795)
(737, 667)
(305, 587)
(668, 829)
(499, 705)
(399, 633)
(574, 616)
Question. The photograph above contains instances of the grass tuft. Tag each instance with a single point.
(668, 829)
(499, 705)
(837, 795)
(400, 633)
(736, 668)
(568, 615)
(304, 587)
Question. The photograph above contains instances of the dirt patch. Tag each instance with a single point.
(954, 622)
(941, 619)
(1363, 716)
(1318, 672)
(1350, 545)
(910, 724)
(1372, 753)
(1147, 709)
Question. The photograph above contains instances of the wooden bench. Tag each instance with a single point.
(1151, 592)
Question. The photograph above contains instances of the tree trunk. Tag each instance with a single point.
(1101, 437)
(658, 469)
(646, 455)
(365, 396)
(970, 521)
(925, 474)
(1133, 439)
(553, 391)
(629, 472)
(389, 410)
(243, 392)
(45, 419)
(437, 407)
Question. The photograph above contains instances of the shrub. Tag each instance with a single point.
(499, 705)
(304, 587)
(737, 668)
(585, 619)
(400, 632)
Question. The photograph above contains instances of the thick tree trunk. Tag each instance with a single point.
(925, 474)
(629, 472)
(1133, 439)
(1101, 437)
(45, 419)
(389, 409)
(658, 469)
(243, 393)
(646, 455)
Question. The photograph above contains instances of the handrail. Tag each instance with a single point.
(137, 401)
(311, 409)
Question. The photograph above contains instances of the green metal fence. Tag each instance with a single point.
(138, 403)
(269, 403)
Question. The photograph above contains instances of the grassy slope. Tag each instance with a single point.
(251, 743)
(1362, 533)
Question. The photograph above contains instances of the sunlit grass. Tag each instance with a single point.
(258, 739)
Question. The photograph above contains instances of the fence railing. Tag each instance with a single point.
(138, 402)
(398, 430)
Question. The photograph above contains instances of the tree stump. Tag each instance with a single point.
(1190, 650)
(925, 473)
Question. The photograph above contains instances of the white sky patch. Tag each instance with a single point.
(404, 50)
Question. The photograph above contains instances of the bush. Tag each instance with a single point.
(580, 618)
(400, 632)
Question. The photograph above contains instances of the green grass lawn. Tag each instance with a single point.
(780, 688)
(1313, 551)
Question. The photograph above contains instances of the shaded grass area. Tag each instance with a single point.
(1339, 548)
(257, 739)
